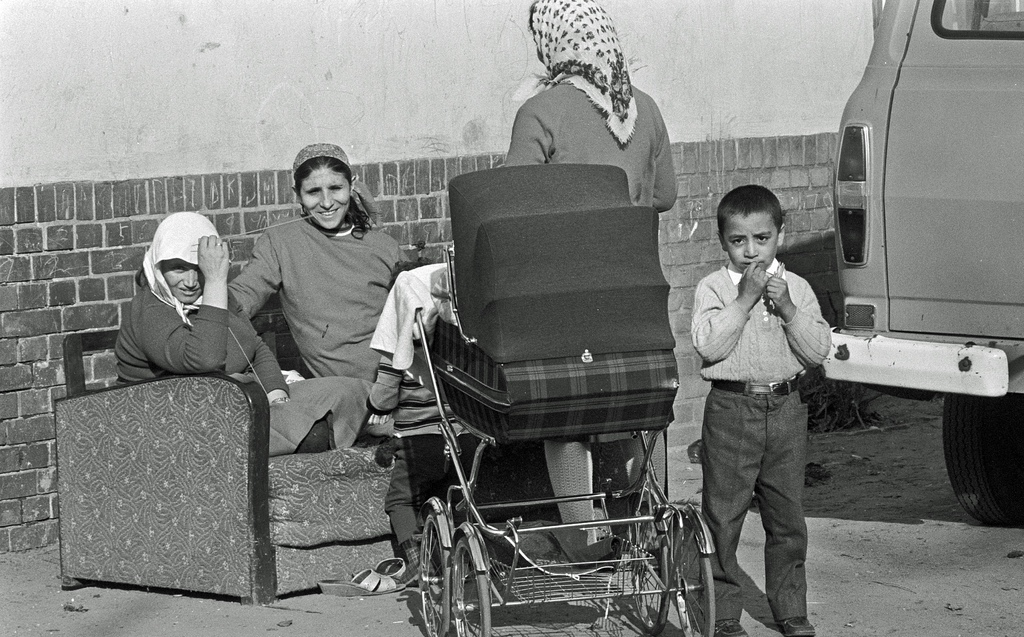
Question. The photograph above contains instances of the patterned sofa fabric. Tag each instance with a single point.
(156, 487)
(335, 496)
(166, 483)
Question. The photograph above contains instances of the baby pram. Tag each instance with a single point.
(560, 330)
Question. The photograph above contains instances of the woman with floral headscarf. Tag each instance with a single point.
(590, 113)
(179, 323)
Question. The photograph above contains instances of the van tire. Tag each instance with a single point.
(983, 441)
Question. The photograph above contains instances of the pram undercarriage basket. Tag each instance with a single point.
(561, 332)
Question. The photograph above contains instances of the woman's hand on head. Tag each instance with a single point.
(214, 259)
(214, 263)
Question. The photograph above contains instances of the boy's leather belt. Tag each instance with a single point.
(781, 388)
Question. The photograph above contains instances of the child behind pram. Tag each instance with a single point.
(403, 392)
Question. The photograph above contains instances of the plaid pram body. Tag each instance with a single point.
(562, 306)
(546, 398)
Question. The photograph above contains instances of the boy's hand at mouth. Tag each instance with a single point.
(752, 285)
(777, 295)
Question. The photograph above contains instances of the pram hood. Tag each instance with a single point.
(554, 260)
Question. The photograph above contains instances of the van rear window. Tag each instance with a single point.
(979, 19)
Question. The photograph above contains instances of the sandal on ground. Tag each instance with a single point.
(397, 569)
(392, 567)
(365, 583)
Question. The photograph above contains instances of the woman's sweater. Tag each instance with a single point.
(561, 126)
(154, 341)
(332, 290)
(756, 346)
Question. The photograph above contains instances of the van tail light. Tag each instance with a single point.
(851, 234)
(851, 195)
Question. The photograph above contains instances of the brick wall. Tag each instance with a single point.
(69, 251)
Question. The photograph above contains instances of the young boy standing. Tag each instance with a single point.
(757, 328)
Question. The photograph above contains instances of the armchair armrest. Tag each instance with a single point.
(164, 483)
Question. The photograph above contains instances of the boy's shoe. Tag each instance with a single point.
(796, 627)
(411, 576)
(729, 628)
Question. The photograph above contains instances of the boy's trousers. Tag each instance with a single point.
(421, 471)
(756, 445)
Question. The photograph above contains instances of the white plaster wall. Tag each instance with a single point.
(96, 89)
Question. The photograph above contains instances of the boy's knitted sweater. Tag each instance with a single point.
(756, 346)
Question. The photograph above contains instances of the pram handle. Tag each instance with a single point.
(449, 264)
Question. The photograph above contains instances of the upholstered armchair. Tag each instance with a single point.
(167, 484)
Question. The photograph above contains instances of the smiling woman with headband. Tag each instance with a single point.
(331, 272)
(179, 323)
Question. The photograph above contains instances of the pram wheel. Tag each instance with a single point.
(651, 575)
(695, 598)
(471, 591)
(435, 572)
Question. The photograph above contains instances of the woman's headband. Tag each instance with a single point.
(320, 150)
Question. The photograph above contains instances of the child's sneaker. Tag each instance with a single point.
(729, 628)
(796, 627)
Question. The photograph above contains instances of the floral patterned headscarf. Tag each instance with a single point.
(577, 43)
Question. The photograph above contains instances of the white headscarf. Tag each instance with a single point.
(177, 237)
(577, 42)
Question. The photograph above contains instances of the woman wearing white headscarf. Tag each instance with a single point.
(590, 113)
(179, 323)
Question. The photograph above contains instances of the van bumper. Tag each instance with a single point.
(941, 367)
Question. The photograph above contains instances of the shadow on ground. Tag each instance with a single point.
(595, 618)
(893, 472)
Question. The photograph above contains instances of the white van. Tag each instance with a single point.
(929, 219)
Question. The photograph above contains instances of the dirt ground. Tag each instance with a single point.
(891, 472)
(891, 553)
(906, 559)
